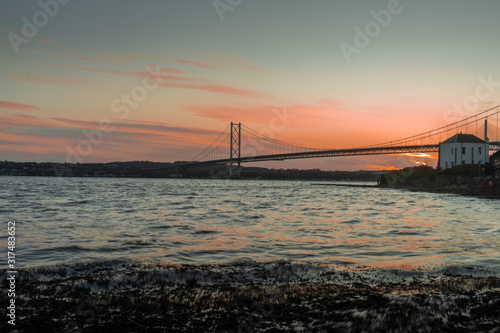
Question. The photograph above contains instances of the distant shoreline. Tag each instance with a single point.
(143, 169)
(348, 185)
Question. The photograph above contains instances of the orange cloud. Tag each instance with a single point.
(259, 114)
(14, 105)
(327, 123)
(26, 137)
(303, 116)
(138, 127)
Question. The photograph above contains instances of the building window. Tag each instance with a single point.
(463, 150)
(452, 151)
(479, 150)
(451, 164)
(446, 165)
(463, 162)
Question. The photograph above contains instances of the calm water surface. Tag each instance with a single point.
(72, 220)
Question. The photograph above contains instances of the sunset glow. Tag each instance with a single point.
(159, 81)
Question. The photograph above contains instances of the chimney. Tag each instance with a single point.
(486, 130)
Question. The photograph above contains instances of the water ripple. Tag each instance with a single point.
(200, 221)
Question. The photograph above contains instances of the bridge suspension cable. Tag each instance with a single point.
(215, 150)
(264, 145)
(254, 146)
(442, 133)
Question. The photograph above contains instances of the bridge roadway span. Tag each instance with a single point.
(318, 153)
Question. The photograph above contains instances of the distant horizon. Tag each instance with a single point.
(249, 165)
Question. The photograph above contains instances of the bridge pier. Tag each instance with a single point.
(234, 171)
(235, 148)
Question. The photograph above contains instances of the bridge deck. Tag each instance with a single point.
(321, 153)
(387, 150)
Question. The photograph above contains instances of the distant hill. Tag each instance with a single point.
(147, 169)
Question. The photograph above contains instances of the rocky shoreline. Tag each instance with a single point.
(279, 297)
(424, 179)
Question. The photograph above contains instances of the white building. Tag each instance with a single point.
(462, 149)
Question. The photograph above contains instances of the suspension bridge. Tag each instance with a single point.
(238, 144)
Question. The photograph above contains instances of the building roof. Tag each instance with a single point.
(464, 138)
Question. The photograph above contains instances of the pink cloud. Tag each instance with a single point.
(106, 58)
(134, 73)
(21, 121)
(135, 126)
(25, 121)
(170, 70)
(303, 115)
(29, 136)
(108, 71)
(33, 140)
(146, 122)
(116, 58)
(50, 42)
(194, 63)
(217, 88)
(222, 61)
(14, 105)
(168, 81)
(45, 80)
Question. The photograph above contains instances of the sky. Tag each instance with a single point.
(104, 81)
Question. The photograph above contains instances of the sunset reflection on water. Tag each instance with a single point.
(217, 221)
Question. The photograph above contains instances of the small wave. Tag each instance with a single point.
(161, 226)
(70, 248)
(76, 202)
(205, 232)
(189, 207)
(140, 242)
(353, 221)
(122, 273)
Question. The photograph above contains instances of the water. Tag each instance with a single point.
(74, 220)
(155, 255)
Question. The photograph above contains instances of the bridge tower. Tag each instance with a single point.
(235, 147)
